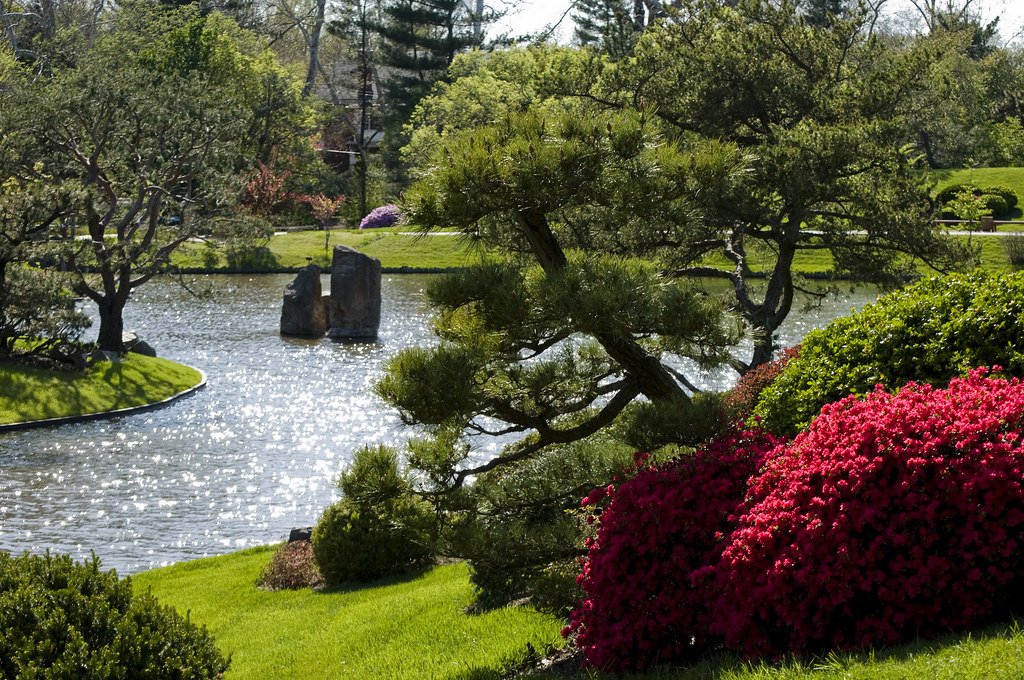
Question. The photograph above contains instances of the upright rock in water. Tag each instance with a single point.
(303, 310)
(354, 304)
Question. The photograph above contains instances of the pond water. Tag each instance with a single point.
(245, 459)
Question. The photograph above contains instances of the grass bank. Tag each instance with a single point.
(416, 628)
(395, 250)
(35, 394)
(397, 628)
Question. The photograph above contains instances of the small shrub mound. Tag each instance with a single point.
(353, 544)
(995, 204)
(895, 516)
(1007, 198)
(376, 529)
(646, 576)
(934, 330)
(64, 619)
(291, 568)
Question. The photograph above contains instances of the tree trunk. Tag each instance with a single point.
(656, 383)
(111, 324)
(314, 48)
(775, 306)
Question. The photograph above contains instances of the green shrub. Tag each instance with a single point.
(996, 204)
(929, 332)
(988, 195)
(64, 619)
(1013, 244)
(352, 544)
(1008, 194)
(953, 190)
(379, 526)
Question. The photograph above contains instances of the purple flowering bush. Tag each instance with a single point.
(384, 216)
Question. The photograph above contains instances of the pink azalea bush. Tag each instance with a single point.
(645, 599)
(895, 516)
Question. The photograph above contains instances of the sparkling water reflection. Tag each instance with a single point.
(240, 462)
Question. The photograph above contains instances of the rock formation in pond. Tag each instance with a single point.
(303, 310)
(353, 307)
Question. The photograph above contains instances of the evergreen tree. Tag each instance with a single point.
(610, 26)
(418, 40)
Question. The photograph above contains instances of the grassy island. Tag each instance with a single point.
(28, 393)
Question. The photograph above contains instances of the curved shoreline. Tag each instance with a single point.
(129, 410)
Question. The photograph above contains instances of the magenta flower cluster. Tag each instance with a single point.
(384, 216)
(892, 516)
(646, 602)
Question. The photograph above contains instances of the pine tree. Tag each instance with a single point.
(418, 40)
(610, 26)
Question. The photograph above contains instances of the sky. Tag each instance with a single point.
(534, 15)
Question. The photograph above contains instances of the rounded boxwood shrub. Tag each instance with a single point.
(647, 576)
(996, 204)
(65, 619)
(953, 190)
(378, 527)
(929, 332)
(892, 517)
(352, 544)
(1008, 194)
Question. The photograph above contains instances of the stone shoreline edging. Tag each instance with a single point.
(66, 420)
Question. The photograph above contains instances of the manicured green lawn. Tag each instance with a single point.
(399, 628)
(814, 262)
(393, 247)
(1008, 177)
(34, 394)
(416, 628)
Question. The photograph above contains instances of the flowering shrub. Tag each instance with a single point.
(894, 516)
(292, 567)
(739, 403)
(384, 216)
(934, 330)
(646, 576)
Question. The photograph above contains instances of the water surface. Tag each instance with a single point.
(245, 459)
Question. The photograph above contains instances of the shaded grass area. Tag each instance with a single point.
(34, 394)
(411, 627)
(992, 653)
(392, 247)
